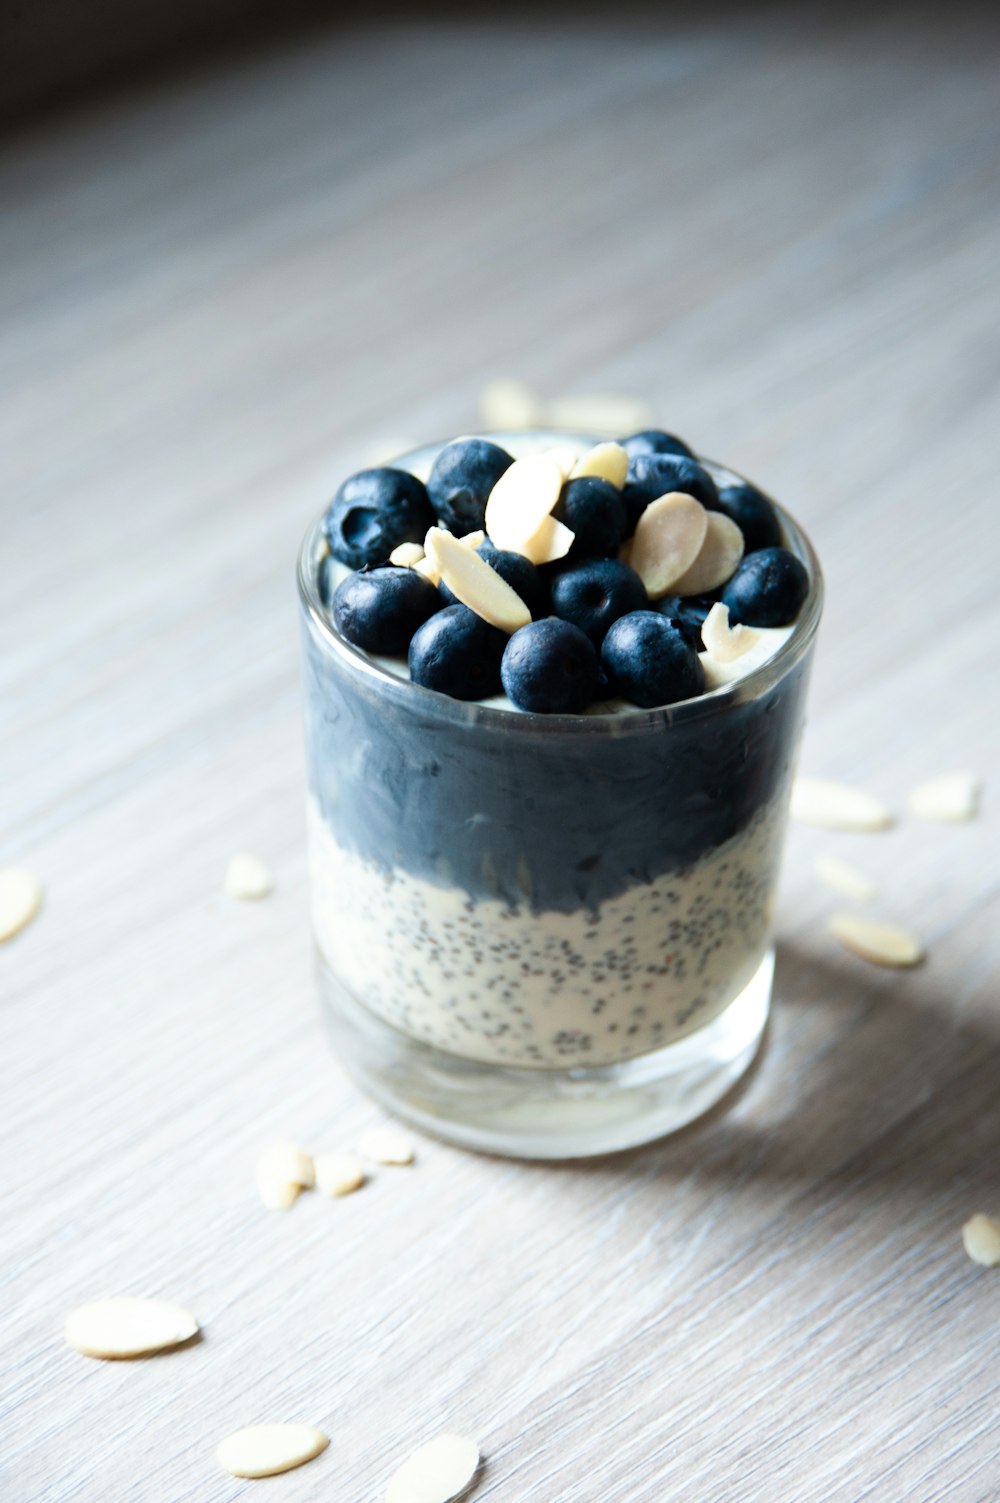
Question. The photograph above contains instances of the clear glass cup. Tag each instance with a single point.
(545, 936)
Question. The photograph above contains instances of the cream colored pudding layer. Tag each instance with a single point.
(509, 986)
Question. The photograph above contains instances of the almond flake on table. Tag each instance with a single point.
(283, 1170)
(387, 1145)
(128, 1327)
(835, 806)
(338, 1173)
(248, 878)
(882, 944)
(438, 1472)
(952, 798)
(846, 879)
(266, 1450)
(605, 411)
(981, 1238)
(667, 540)
(607, 461)
(20, 900)
(507, 403)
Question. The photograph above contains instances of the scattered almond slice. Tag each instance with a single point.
(406, 555)
(266, 1450)
(128, 1327)
(522, 500)
(473, 539)
(717, 558)
(846, 879)
(882, 944)
(387, 1145)
(473, 582)
(605, 461)
(438, 1472)
(506, 403)
(338, 1173)
(552, 541)
(835, 806)
(282, 1171)
(723, 642)
(952, 798)
(667, 540)
(981, 1237)
(429, 569)
(609, 412)
(248, 878)
(20, 900)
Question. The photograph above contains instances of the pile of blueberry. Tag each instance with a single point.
(594, 632)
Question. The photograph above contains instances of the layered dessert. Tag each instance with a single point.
(554, 688)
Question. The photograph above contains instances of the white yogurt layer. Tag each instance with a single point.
(509, 986)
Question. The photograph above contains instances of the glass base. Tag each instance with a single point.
(547, 1114)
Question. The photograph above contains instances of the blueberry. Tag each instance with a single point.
(458, 653)
(373, 512)
(753, 514)
(550, 667)
(649, 661)
(380, 609)
(688, 612)
(519, 572)
(654, 441)
(593, 595)
(594, 511)
(653, 475)
(464, 473)
(768, 588)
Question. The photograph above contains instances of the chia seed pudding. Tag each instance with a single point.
(509, 879)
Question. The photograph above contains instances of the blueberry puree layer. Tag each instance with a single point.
(517, 808)
(511, 986)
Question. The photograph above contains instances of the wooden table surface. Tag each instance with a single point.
(217, 300)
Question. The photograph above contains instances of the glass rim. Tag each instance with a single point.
(497, 717)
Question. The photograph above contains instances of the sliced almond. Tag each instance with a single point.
(429, 569)
(128, 1327)
(552, 541)
(387, 1145)
(522, 500)
(338, 1173)
(437, 1472)
(667, 540)
(506, 403)
(717, 558)
(883, 944)
(472, 581)
(266, 1450)
(565, 457)
(981, 1236)
(248, 878)
(952, 798)
(723, 642)
(605, 461)
(406, 555)
(609, 412)
(835, 806)
(282, 1171)
(20, 900)
(473, 539)
(846, 879)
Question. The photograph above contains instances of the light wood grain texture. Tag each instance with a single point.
(216, 302)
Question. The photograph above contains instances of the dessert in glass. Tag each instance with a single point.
(554, 688)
